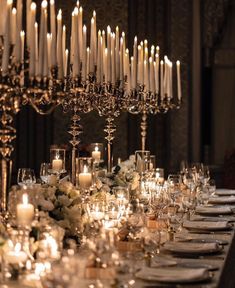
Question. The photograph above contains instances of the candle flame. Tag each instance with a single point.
(59, 16)
(52, 2)
(96, 148)
(9, 2)
(25, 199)
(14, 11)
(33, 6)
(94, 14)
(44, 4)
(76, 11)
(85, 169)
(177, 62)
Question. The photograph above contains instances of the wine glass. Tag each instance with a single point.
(45, 169)
(174, 181)
(26, 177)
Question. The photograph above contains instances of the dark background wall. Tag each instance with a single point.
(199, 34)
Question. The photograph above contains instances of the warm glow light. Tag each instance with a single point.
(177, 62)
(22, 34)
(25, 199)
(76, 11)
(33, 6)
(85, 169)
(94, 14)
(96, 148)
(17, 247)
(44, 4)
(84, 28)
(14, 11)
(52, 2)
(59, 16)
(9, 2)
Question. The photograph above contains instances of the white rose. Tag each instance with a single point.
(66, 187)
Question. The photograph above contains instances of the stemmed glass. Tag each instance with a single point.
(26, 177)
(174, 181)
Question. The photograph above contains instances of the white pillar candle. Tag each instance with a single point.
(28, 21)
(75, 46)
(59, 45)
(91, 63)
(134, 63)
(117, 59)
(80, 32)
(96, 154)
(88, 54)
(85, 179)
(22, 37)
(113, 71)
(49, 42)
(84, 37)
(95, 39)
(24, 211)
(179, 93)
(57, 165)
(151, 74)
(99, 57)
(19, 7)
(53, 32)
(13, 26)
(63, 43)
(121, 59)
(161, 80)
(36, 48)
(66, 62)
(156, 73)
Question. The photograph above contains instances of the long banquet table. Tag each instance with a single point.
(222, 277)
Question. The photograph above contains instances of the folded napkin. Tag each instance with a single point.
(213, 210)
(222, 200)
(206, 225)
(159, 261)
(173, 274)
(191, 247)
(225, 192)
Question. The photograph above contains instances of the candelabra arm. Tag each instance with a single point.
(143, 127)
(109, 129)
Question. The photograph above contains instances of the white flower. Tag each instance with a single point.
(64, 200)
(46, 205)
(66, 187)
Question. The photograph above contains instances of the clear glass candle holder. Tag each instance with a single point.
(142, 160)
(84, 172)
(158, 175)
(152, 163)
(97, 152)
(57, 158)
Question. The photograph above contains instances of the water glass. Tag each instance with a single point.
(45, 172)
